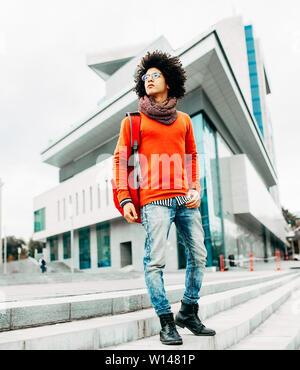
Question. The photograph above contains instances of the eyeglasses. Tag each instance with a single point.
(154, 75)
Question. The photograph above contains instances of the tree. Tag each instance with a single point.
(289, 217)
(12, 247)
(35, 245)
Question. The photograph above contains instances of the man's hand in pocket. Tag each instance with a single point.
(195, 200)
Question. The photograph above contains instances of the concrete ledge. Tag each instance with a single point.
(25, 314)
(113, 330)
(5, 318)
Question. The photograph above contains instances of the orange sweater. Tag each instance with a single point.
(168, 159)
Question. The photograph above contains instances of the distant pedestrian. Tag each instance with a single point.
(42, 263)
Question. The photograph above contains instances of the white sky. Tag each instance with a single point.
(46, 85)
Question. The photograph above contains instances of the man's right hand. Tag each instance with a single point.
(130, 212)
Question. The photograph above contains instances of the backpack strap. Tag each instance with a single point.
(135, 124)
(135, 141)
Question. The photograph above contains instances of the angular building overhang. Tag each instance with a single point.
(208, 67)
(108, 62)
(107, 69)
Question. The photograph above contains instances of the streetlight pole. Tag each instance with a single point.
(5, 252)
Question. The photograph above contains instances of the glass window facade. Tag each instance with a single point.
(84, 248)
(103, 244)
(53, 248)
(230, 228)
(67, 245)
(276, 244)
(211, 203)
(40, 220)
(253, 77)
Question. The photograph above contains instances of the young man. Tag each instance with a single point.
(173, 196)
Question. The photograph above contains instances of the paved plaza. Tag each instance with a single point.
(24, 286)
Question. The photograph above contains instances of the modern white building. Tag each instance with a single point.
(227, 90)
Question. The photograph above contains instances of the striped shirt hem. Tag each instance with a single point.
(182, 199)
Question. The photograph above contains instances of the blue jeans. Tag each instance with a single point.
(157, 221)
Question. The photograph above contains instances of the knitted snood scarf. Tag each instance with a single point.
(164, 113)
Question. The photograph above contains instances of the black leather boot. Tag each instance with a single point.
(188, 317)
(169, 333)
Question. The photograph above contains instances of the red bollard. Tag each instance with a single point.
(222, 269)
(251, 261)
(277, 254)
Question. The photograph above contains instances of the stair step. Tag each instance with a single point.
(281, 331)
(231, 325)
(39, 312)
(113, 330)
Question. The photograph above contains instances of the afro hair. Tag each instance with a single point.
(171, 68)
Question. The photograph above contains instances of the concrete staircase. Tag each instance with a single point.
(246, 312)
(27, 265)
(57, 267)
